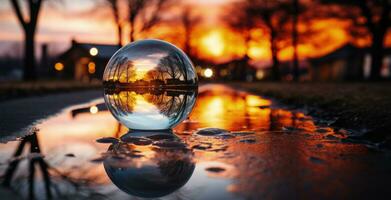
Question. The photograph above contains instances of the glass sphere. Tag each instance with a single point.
(150, 85)
(149, 171)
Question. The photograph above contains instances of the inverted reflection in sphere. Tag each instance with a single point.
(150, 85)
(149, 171)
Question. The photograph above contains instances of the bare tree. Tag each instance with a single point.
(377, 17)
(170, 65)
(272, 16)
(117, 19)
(242, 22)
(148, 13)
(29, 25)
(189, 21)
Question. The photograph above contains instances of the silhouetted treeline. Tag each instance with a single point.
(280, 20)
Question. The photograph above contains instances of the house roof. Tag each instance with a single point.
(347, 50)
(235, 62)
(340, 53)
(105, 51)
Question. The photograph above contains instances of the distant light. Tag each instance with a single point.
(260, 74)
(59, 66)
(91, 67)
(208, 73)
(94, 109)
(93, 51)
(199, 69)
(224, 72)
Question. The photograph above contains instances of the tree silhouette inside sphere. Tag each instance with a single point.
(150, 85)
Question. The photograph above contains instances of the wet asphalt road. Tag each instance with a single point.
(17, 115)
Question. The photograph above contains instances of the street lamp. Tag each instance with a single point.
(59, 66)
(93, 51)
(91, 67)
(208, 73)
(94, 109)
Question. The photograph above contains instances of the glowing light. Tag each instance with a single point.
(213, 43)
(93, 51)
(208, 72)
(259, 74)
(91, 67)
(94, 109)
(254, 101)
(259, 51)
(199, 69)
(59, 66)
(224, 72)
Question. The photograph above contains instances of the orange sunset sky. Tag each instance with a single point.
(60, 21)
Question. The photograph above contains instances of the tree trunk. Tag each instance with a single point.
(296, 73)
(378, 29)
(29, 27)
(187, 42)
(29, 55)
(275, 60)
(119, 32)
(243, 66)
(377, 54)
(131, 33)
(275, 66)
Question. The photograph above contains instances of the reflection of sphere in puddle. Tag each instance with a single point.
(154, 172)
(150, 85)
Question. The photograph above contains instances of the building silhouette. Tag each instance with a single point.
(83, 61)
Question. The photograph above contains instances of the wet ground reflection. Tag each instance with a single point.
(145, 170)
(234, 145)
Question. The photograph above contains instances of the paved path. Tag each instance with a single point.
(17, 115)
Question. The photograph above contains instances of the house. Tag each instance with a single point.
(238, 70)
(84, 61)
(346, 63)
(285, 70)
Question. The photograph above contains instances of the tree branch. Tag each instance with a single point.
(35, 7)
(17, 9)
(384, 23)
(367, 14)
(155, 18)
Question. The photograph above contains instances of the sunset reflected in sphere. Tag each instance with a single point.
(150, 85)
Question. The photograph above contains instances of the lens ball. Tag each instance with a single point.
(150, 85)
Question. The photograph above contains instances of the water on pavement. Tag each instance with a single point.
(234, 145)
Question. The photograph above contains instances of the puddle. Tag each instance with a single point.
(253, 151)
